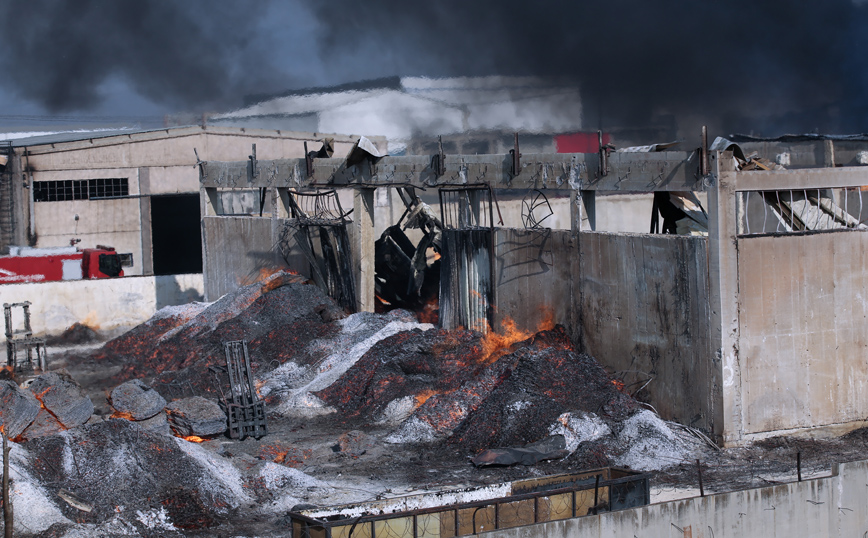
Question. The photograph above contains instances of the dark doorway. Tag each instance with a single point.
(176, 234)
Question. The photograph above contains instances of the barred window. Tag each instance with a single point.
(80, 189)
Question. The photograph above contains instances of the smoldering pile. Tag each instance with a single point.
(381, 379)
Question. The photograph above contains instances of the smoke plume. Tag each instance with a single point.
(767, 66)
(739, 65)
(60, 54)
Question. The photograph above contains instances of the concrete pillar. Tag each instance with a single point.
(363, 248)
(147, 244)
(725, 379)
(583, 211)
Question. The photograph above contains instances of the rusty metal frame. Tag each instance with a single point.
(591, 483)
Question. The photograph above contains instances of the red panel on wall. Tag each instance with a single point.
(579, 142)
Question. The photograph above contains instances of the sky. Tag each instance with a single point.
(767, 67)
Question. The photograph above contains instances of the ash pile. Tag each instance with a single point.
(348, 397)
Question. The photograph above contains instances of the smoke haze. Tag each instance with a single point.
(763, 66)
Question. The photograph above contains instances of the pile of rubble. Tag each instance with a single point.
(384, 384)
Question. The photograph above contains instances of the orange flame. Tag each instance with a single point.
(494, 342)
(423, 396)
(193, 439)
(90, 320)
(430, 313)
(122, 414)
(618, 384)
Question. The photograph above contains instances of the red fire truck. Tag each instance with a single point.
(26, 264)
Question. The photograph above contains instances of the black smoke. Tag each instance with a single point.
(763, 66)
(59, 53)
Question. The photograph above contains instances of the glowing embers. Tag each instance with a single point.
(477, 398)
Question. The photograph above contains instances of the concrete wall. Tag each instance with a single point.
(803, 334)
(533, 277)
(834, 506)
(643, 310)
(110, 304)
(237, 251)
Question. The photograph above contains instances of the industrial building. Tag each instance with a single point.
(751, 329)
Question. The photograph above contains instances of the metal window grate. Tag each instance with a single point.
(801, 210)
(80, 189)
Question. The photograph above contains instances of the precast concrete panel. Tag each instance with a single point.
(804, 338)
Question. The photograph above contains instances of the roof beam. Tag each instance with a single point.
(627, 172)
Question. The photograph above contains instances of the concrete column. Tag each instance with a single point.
(724, 389)
(147, 260)
(583, 211)
(363, 248)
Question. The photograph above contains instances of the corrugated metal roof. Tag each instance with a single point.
(75, 136)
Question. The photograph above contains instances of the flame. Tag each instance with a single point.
(494, 342)
(90, 320)
(437, 256)
(423, 396)
(276, 453)
(193, 439)
(430, 313)
(385, 302)
(264, 274)
(122, 414)
(618, 384)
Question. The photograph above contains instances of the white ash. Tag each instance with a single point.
(276, 476)
(156, 519)
(398, 410)
(222, 478)
(359, 333)
(33, 509)
(649, 444)
(117, 526)
(413, 431)
(184, 311)
(578, 428)
(514, 407)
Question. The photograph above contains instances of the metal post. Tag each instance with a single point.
(7, 505)
(699, 472)
(596, 493)
(799, 465)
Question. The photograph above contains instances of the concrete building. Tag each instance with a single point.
(753, 329)
(134, 190)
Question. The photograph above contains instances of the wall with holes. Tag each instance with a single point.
(835, 506)
(109, 305)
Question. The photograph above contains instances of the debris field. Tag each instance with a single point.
(359, 407)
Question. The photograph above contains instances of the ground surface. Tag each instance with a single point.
(370, 469)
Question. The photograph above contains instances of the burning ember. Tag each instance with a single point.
(122, 414)
(193, 439)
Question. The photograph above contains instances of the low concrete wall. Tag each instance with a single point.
(642, 310)
(834, 506)
(111, 304)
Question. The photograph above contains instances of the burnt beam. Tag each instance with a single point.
(626, 172)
